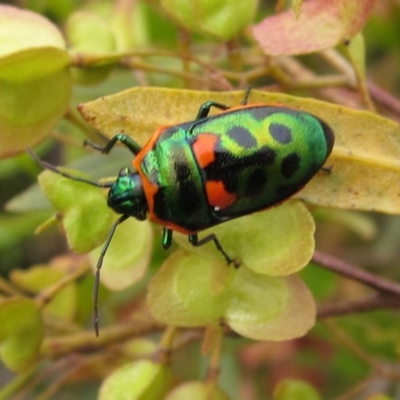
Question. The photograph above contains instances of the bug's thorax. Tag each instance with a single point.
(127, 197)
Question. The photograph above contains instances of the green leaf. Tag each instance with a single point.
(269, 308)
(30, 45)
(89, 33)
(140, 380)
(196, 390)
(128, 255)
(256, 306)
(181, 292)
(279, 241)
(25, 121)
(295, 389)
(37, 278)
(33, 65)
(83, 208)
(223, 19)
(21, 333)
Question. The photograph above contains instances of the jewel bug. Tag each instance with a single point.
(201, 173)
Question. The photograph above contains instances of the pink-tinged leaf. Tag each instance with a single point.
(322, 24)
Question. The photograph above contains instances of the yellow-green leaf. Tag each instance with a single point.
(223, 19)
(21, 333)
(269, 308)
(256, 306)
(89, 33)
(25, 121)
(83, 208)
(39, 277)
(295, 389)
(30, 45)
(181, 293)
(128, 255)
(365, 160)
(278, 241)
(140, 380)
(197, 390)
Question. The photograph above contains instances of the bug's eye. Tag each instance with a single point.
(124, 172)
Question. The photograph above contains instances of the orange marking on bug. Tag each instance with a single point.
(203, 149)
(218, 196)
(149, 188)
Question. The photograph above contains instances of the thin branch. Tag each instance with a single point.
(384, 98)
(350, 271)
(47, 294)
(87, 341)
(372, 303)
(382, 368)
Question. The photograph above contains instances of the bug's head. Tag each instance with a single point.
(126, 196)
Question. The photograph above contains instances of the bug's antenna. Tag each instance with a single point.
(122, 218)
(246, 95)
(51, 167)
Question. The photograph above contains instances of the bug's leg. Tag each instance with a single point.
(166, 238)
(246, 95)
(122, 218)
(328, 170)
(120, 137)
(194, 240)
(51, 167)
(204, 109)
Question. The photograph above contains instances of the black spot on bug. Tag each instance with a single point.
(261, 112)
(188, 193)
(290, 165)
(280, 133)
(180, 197)
(286, 191)
(228, 168)
(242, 137)
(256, 183)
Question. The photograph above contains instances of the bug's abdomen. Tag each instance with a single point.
(255, 157)
(180, 202)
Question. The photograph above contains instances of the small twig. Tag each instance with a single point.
(8, 289)
(164, 347)
(213, 335)
(356, 306)
(353, 392)
(59, 382)
(384, 98)
(210, 79)
(87, 341)
(234, 54)
(385, 369)
(48, 293)
(350, 271)
(20, 381)
(184, 43)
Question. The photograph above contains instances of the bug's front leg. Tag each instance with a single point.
(166, 238)
(120, 137)
(194, 240)
(204, 109)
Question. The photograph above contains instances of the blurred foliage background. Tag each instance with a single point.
(352, 356)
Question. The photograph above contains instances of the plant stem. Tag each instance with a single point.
(350, 271)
